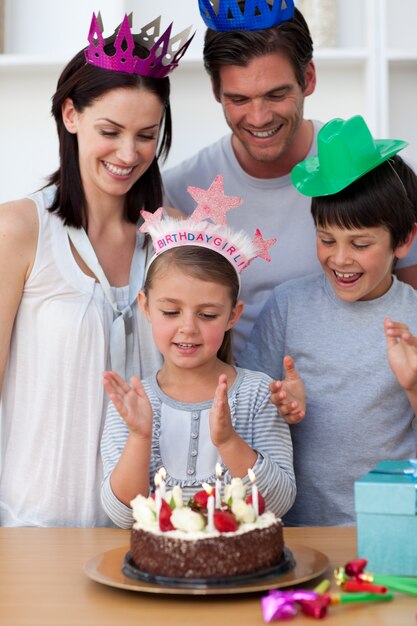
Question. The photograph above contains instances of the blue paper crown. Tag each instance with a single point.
(224, 15)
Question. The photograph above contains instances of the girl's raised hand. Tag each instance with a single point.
(288, 394)
(221, 428)
(402, 353)
(131, 402)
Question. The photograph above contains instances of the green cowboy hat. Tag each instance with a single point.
(346, 151)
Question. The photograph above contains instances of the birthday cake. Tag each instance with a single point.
(193, 541)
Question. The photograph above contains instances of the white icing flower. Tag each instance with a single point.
(243, 512)
(235, 490)
(187, 520)
(174, 498)
(144, 511)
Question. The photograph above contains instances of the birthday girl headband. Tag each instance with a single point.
(161, 59)
(236, 246)
(224, 15)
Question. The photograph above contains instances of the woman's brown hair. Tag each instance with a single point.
(85, 83)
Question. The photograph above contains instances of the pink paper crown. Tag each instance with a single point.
(236, 246)
(161, 60)
(224, 15)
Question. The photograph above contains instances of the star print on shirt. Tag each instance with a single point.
(212, 202)
(263, 245)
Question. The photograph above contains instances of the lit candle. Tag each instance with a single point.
(162, 474)
(255, 502)
(210, 513)
(158, 499)
(218, 485)
(210, 506)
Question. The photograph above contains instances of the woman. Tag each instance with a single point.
(71, 265)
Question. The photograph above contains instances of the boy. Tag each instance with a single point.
(360, 405)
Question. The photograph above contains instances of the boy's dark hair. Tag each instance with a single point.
(84, 83)
(386, 196)
(206, 265)
(239, 47)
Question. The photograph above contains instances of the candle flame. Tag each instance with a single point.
(218, 470)
(251, 475)
(207, 488)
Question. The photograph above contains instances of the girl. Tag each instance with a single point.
(198, 409)
(71, 264)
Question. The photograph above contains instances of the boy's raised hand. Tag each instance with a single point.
(402, 353)
(131, 402)
(288, 394)
(221, 427)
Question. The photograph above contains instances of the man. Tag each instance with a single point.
(261, 79)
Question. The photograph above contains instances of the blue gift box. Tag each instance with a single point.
(386, 511)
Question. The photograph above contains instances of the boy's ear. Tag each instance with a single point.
(143, 304)
(235, 314)
(403, 249)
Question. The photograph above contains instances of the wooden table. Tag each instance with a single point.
(42, 583)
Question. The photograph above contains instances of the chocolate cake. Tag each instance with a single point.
(188, 549)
